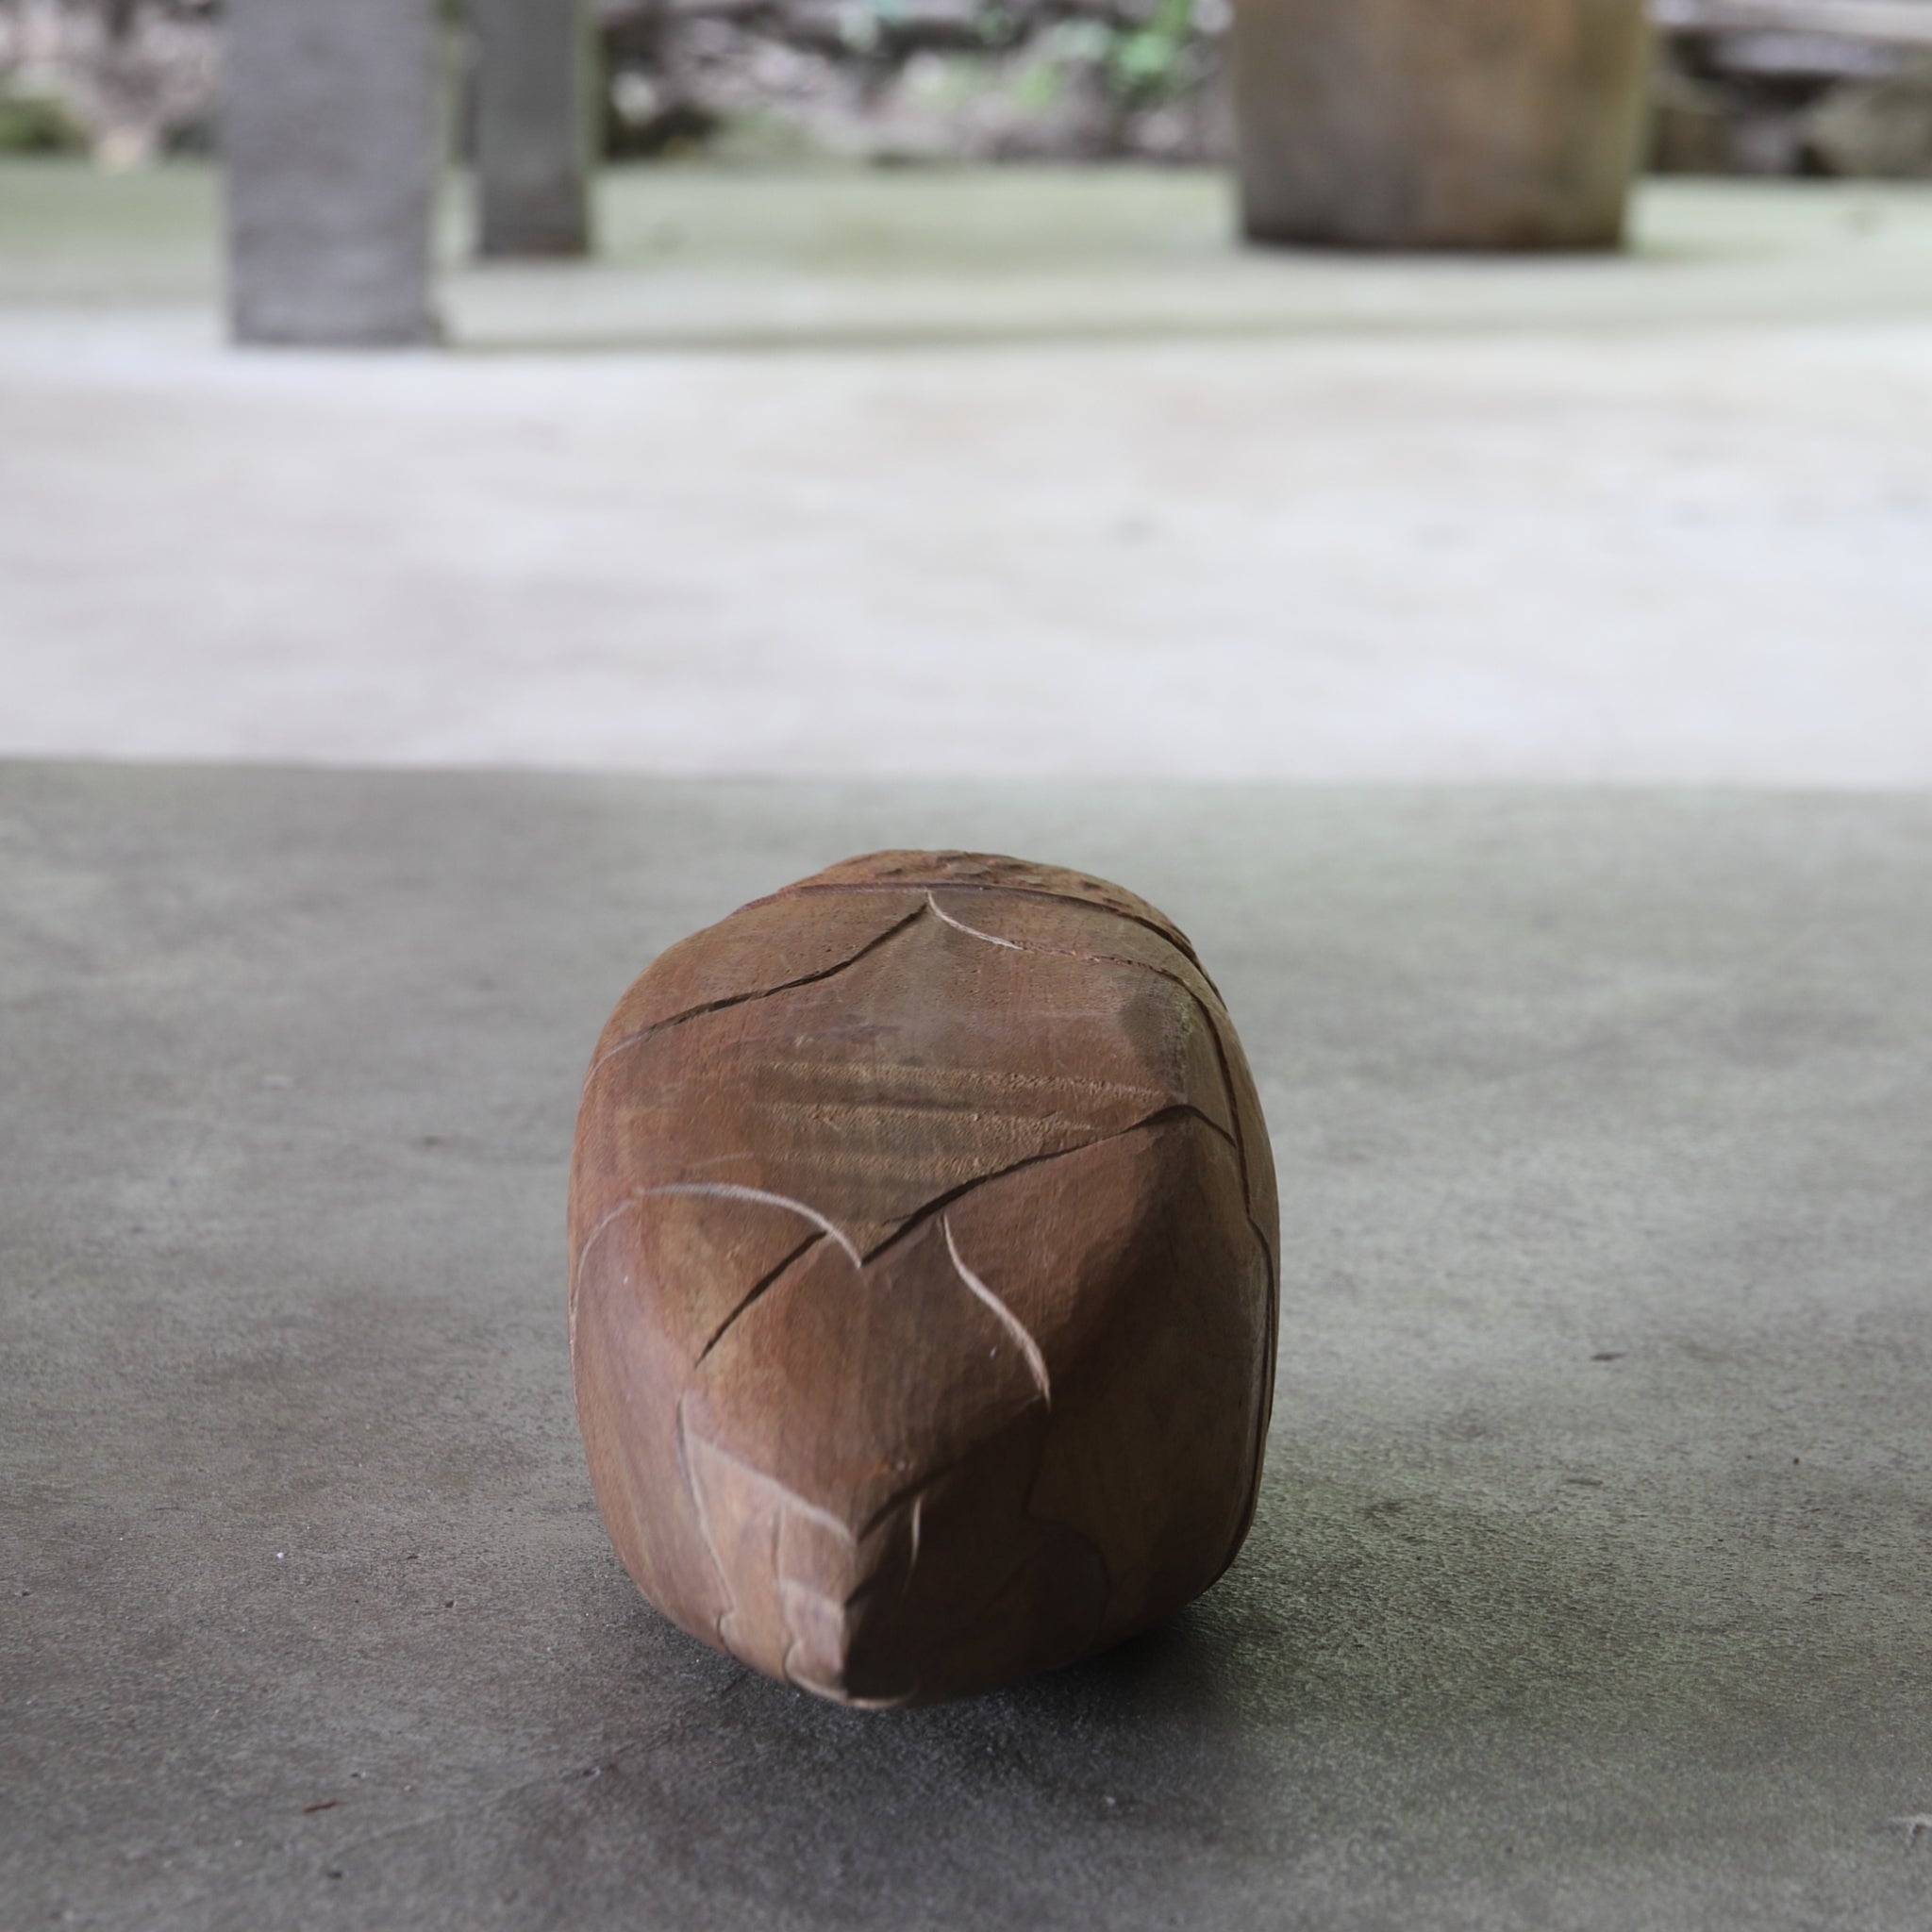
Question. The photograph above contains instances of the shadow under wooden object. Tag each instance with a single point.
(924, 1254)
(1438, 123)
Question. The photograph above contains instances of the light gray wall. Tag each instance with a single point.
(533, 125)
(330, 133)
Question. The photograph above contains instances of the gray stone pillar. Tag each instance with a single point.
(330, 133)
(1438, 123)
(533, 125)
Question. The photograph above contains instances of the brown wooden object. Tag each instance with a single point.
(1438, 123)
(923, 1290)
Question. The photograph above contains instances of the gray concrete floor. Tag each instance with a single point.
(1589, 1586)
(1006, 475)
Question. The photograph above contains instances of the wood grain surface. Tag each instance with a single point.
(923, 1259)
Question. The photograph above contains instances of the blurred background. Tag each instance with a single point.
(1815, 88)
(933, 386)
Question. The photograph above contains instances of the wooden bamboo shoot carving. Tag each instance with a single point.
(923, 1258)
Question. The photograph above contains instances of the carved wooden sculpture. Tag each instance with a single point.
(924, 1251)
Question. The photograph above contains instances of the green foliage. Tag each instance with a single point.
(997, 26)
(1036, 88)
(1156, 60)
(39, 125)
(1079, 43)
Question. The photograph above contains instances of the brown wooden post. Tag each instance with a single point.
(1438, 123)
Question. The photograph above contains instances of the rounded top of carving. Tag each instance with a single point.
(910, 870)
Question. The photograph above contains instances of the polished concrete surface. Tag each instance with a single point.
(1590, 1583)
(1013, 474)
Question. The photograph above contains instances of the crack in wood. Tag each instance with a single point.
(762, 1197)
(1207, 1012)
(753, 1294)
(1213, 1019)
(1180, 1110)
(1171, 935)
(741, 999)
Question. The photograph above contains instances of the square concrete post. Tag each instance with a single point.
(533, 125)
(330, 139)
(1438, 123)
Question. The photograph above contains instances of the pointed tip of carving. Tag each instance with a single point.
(992, 938)
(1036, 1361)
